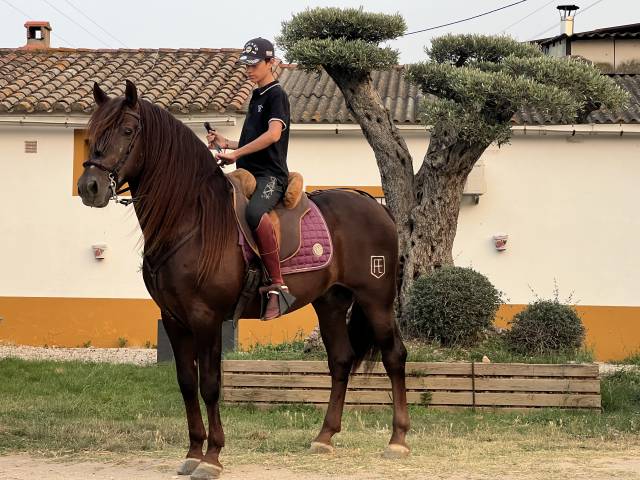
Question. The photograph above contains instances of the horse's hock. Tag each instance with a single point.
(433, 385)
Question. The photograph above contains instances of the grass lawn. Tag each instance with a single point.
(72, 408)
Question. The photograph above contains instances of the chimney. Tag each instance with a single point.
(38, 35)
(566, 18)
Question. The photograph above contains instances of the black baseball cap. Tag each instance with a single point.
(255, 51)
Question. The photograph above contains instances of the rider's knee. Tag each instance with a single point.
(254, 215)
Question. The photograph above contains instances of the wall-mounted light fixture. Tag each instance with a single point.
(500, 241)
(99, 250)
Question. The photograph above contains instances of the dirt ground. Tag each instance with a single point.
(623, 464)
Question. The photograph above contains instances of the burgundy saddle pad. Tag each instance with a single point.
(316, 247)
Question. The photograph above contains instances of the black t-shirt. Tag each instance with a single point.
(268, 104)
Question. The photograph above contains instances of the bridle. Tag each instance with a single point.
(114, 171)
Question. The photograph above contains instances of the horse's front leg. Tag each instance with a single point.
(209, 347)
(184, 350)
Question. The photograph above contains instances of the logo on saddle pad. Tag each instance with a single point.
(377, 266)
(317, 249)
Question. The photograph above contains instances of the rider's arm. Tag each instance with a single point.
(263, 141)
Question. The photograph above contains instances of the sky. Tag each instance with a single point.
(228, 24)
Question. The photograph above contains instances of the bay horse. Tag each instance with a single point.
(195, 278)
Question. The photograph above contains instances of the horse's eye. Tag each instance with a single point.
(128, 131)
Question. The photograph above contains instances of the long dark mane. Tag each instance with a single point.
(179, 176)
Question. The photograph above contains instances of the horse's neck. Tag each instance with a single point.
(187, 222)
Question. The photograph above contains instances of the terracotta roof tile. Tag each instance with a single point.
(315, 98)
(61, 80)
(208, 80)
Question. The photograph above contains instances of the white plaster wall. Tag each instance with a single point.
(46, 233)
(569, 205)
(327, 158)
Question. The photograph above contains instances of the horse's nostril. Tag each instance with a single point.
(92, 187)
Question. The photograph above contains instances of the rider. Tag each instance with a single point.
(262, 150)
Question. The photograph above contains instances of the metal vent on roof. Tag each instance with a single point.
(30, 146)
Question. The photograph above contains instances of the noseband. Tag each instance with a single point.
(114, 171)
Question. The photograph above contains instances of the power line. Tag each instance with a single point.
(536, 36)
(529, 15)
(73, 21)
(96, 24)
(22, 12)
(588, 7)
(465, 19)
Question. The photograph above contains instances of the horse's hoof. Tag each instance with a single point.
(188, 466)
(206, 471)
(395, 451)
(321, 448)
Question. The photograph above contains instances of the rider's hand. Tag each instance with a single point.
(216, 139)
(226, 158)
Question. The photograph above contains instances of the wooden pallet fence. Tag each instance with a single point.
(439, 385)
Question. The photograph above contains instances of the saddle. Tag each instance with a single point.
(286, 216)
(303, 237)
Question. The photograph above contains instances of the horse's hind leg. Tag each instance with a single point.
(332, 309)
(183, 345)
(386, 334)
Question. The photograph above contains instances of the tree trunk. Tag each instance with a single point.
(425, 206)
(391, 152)
(439, 186)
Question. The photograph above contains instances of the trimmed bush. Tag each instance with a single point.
(453, 306)
(546, 326)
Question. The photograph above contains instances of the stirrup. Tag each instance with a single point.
(285, 299)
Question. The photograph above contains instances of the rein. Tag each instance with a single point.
(114, 171)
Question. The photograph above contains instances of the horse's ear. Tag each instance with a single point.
(130, 95)
(98, 94)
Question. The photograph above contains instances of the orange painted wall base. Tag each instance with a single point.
(72, 322)
(612, 332)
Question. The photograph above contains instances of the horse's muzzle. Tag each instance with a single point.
(94, 190)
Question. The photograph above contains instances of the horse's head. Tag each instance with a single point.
(114, 150)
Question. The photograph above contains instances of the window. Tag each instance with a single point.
(80, 155)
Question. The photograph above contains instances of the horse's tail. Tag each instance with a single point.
(362, 339)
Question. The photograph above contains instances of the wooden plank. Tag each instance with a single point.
(311, 367)
(275, 366)
(357, 382)
(250, 395)
(421, 368)
(563, 385)
(322, 396)
(537, 400)
(418, 383)
(537, 370)
(437, 398)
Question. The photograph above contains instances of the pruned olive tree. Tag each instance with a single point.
(474, 84)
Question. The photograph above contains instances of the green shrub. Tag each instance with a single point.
(546, 326)
(621, 391)
(453, 306)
